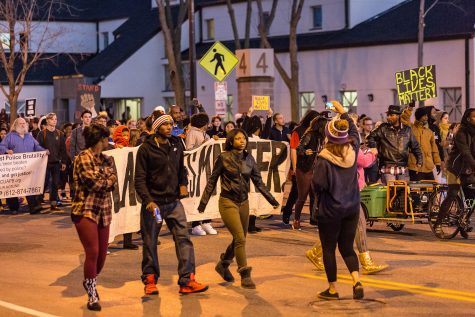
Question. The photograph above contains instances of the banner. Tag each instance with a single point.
(88, 97)
(416, 84)
(272, 158)
(22, 174)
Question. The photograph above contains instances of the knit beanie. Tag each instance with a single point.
(336, 131)
(161, 119)
(420, 112)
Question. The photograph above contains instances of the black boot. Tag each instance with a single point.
(93, 298)
(128, 244)
(222, 267)
(246, 281)
(252, 225)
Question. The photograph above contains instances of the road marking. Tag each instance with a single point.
(25, 310)
(459, 244)
(416, 289)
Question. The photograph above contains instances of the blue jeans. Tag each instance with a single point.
(174, 215)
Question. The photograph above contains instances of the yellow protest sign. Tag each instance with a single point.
(260, 102)
(416, 84)
(219, 61)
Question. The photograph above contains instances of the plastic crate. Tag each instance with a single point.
(374, 199)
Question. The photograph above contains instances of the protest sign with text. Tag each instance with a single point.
(272, 158)
(261, 102)
(22, 174)
(88, 98)
(416, 84)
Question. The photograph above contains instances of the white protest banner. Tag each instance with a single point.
(22, 174)
(272, 158)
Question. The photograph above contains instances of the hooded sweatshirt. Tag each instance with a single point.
(118, 139)
(335, 181)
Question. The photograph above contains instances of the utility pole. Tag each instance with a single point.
(191, 49)
(420, 39)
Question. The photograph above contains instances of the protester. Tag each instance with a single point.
(91, 212)
(371, 172)
(121, 137)
(297, 134)
(216, 130)
(460, 168)
(34, 127)
(432, 119)
(393, 140)
(53, 140)
(228, 127)
(132, 124)
(101, 119)
(444, 126)
(141, 124)
(278, 131)
(20, 141)
(236, 168)
(67, 174)
(160, 181)
(134, 137)
(176, 114)
(195, 137)
(148, 128)
(4, 117)
(425, 138)
(338, 211)
(77, 137)
(3, 133)
(310, 144)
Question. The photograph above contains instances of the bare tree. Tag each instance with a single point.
(247, 32)
(24, 35)
(292, 80)
(172, 37)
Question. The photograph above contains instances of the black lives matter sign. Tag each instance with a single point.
(416, 84)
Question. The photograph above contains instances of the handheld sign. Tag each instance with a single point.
(88, 97)
(416, 84)
(218, 61)
(260, 102)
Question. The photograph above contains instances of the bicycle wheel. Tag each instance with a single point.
(450, 223)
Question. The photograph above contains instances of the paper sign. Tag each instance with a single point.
(261, 102)
(416, 84)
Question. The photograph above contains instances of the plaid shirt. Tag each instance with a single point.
(92, 194)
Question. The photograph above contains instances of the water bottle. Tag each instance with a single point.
(158, 217)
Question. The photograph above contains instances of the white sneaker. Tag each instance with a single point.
(198, 231)
(208, 228)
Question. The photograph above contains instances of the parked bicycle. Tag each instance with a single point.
(457, 219)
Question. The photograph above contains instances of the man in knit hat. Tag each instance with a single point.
(394, 140)
(160, 182)
(426, 139)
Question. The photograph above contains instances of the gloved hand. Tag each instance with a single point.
(438, 168)
(151, 206)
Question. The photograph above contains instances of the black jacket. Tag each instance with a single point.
(55, 143)
(462, 157)
(159, 171)
(308, 141)
(274, 134)
(236, 171)
(394, 144)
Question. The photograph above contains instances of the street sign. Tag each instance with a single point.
(416, 84)
(218, 61)
(220, 90)
(260, 102)
(220, 107)
(30, 107)
(254, 62)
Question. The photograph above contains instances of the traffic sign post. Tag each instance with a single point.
(218, 61)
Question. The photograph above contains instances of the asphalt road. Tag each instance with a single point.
(41, 274)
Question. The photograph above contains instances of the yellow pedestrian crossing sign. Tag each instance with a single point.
(219, 61)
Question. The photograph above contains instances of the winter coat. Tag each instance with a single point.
(364, 160)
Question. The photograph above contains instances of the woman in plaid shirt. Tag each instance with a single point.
(94, 178)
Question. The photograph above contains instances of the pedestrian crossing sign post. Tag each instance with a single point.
(219, 61)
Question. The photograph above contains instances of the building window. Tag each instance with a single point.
(349, 100)
(452, 102)
(307, 102)
(105, 39)
(210, 29)
(5, 40)
(317, 17)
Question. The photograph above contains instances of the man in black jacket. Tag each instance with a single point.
(160, 182)
(393, 141)
(278, 131)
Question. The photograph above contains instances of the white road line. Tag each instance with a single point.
(25, 310)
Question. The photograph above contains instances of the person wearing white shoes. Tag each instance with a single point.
(195, 137)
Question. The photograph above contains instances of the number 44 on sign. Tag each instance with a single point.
(255, 62)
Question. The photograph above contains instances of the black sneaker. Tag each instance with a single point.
(328, 296)
(254, 230)
(358, 292)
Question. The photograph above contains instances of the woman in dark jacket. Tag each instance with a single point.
(460, 168)
(338, 211)
(237, 168)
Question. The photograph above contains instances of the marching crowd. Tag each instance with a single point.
(327, 149)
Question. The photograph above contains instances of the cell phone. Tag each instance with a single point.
(329, 105)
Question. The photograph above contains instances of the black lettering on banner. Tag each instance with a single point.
(191, 184)
(261, 165)
(119, 200)
(204, 164)
(277, 159)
